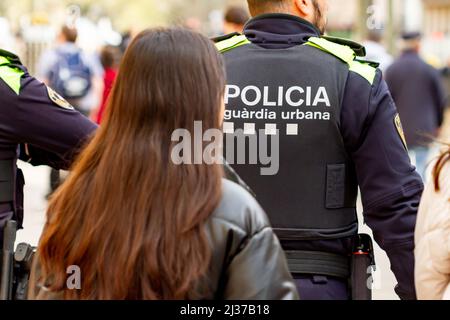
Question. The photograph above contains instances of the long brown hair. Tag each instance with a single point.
(445, 157)
(128, 217)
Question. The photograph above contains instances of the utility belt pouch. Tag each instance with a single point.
(7, 178)
(362, 267)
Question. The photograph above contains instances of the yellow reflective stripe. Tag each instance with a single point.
(364, 70)
(3, 60)
(344, 53)
(11, 76)
(234, 42)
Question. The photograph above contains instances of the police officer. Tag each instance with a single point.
(337, 129)
(36, 125)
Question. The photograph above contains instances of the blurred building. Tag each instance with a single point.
(350, 17)
(436, 28)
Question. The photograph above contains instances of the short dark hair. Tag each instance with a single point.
(236, 15)
(69, 33)
(110, 56)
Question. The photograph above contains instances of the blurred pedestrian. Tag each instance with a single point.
(193, 23)
(418, 92)
(71, 72)
(433, 236)
(110, 59)
(76, 76)
(235, 19)
(376, 51)
(140, 226)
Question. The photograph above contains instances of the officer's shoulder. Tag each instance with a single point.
(230, 41)
(239, 208)
(350, 52)
(11, 70)
(10, 57)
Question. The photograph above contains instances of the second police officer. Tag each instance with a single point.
(36, 125)
(338, 129)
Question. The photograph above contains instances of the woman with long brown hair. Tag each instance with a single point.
(139, 226)
(433, 235)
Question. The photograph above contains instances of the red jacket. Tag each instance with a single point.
(108, 78)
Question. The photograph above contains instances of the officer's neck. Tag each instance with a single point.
(279, 29)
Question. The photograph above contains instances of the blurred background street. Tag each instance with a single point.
(30, 28)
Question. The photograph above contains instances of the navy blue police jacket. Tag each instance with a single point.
(36, 125)
(390, 187)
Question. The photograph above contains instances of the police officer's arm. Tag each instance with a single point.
(52, 131)
(37, 156)
(390, 187)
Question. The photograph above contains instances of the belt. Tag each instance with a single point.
(318, 263)
(7, 178)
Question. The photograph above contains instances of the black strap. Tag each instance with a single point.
(225, 37)
(6, 181)
(318, 263)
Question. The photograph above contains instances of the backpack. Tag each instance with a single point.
(70, 76)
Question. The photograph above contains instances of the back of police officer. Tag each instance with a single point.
(337, 128)
(36, 125)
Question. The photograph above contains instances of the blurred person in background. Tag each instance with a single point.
(235, 19)
(376, 51)
(445, 72)
(139, 225)
(418, 92)
(110, 58)
(433, 236)
(71, 72)
(193, 24)
(127, 37)
(75, 75)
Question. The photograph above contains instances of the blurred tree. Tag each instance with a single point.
(362, 28)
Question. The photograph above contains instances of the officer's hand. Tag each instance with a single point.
(405, 295)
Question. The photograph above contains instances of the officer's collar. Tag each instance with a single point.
(277, 29)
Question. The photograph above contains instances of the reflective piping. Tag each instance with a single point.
(10, 75)
(364, 70)
(232, 43)
(346, 54)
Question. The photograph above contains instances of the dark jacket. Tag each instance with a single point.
(31, 114)
(390, 187)
(418, 92)
(248, 262)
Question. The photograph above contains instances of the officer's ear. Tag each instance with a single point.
(305, 9)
